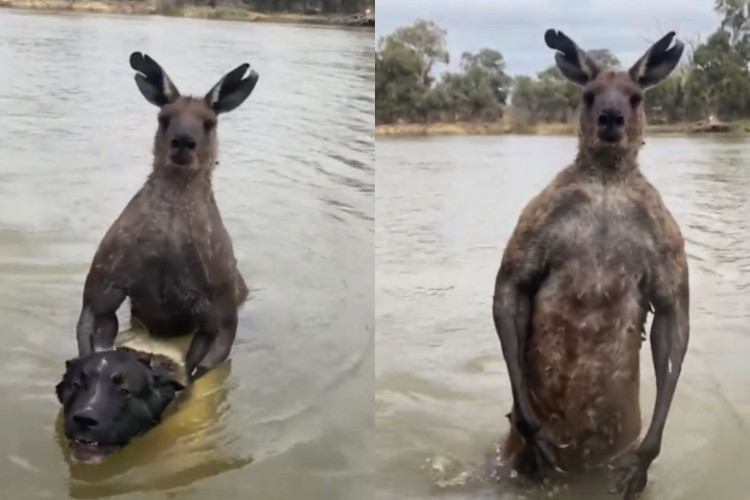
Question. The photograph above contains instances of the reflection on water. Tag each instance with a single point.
(295, 185)
(445, 209)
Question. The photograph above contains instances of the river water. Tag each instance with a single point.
(293, 412)
(445, 208)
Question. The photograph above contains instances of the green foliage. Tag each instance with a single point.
(398, 82)
(405, 89)
(425, 39)
(713, 81)
(734, 19)
(605, 58)
(720, 77)
(668, 101)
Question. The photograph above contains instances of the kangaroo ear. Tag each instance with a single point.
(575, 64)
(232, 89)
(152, 80)
(658, 62)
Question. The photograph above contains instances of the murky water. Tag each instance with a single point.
(292, 415)
(444, 211)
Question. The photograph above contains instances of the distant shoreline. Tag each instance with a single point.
(164, 8)
(504, 128)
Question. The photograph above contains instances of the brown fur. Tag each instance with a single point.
(590, 255)
(169, 251)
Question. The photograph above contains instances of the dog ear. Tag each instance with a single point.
(164, 385)
(164, 390)
(143, 357)
(64, 388)
(164, 377)
(61, 390)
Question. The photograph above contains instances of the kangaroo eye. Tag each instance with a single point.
(164, 122)
(588, 98)
(636, 99)
(124, 392)
(209, 125)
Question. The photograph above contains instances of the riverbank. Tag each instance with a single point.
(169, 8)
(504, 127)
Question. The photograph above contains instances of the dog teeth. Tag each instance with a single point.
(86, 443)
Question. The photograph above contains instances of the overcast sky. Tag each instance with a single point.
(516, 27)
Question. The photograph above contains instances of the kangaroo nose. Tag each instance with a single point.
(85, 419)
(611, 118)
(182, 141)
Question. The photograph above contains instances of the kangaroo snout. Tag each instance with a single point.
(182, 141)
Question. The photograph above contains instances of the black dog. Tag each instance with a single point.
(169, 251)
(111, 397)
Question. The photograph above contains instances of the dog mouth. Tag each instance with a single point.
(87, 451)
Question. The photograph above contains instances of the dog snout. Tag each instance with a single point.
(611, 118)
(182, 141)
(85, 419)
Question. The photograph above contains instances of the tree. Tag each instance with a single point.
(427, 40)
(668, 101)
(604, 58)
(489, 65)
(549, 98)
(398, 83)
(487, 68)
(719, 81)
(714, 80)
(735, 15)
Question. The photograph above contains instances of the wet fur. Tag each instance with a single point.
(589, 257)
(153, 383)
(168, 251)
(589, 311)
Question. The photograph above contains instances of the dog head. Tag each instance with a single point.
(111, 397)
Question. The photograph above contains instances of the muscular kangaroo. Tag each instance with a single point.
(591, 255)
(169, 251)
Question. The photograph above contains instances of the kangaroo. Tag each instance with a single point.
(590, 256)
(168, 251)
